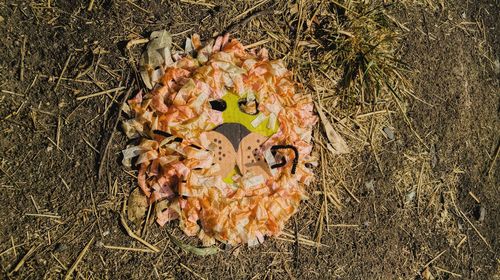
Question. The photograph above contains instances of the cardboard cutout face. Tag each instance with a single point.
(237, 142)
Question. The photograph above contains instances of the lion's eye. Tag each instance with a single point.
(218, 105)
(250, 107)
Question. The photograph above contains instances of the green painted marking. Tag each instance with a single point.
(233, 114)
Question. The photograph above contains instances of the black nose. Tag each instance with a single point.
(234, 132)
(218, 104)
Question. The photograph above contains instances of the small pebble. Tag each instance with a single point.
(410, 196)
(49, 148)
(389, 132)
(370, 185)
(434, 158)
(40, 261)
(480, 213)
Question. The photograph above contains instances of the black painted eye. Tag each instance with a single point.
(218, 105)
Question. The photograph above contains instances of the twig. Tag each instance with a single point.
(58, 131)
(90, 145)
(34, 204)
(10, 177)
(51, 216)
(435, 258)
(63, 71)
(447, 271)
(351, 194)
(296, 252)
(11, 92)
(23, 53)
(241, 23)
(386, 111)
(208, 5)
(256, 44)
(143, 250)
(475, 229)
(148, 216)
(65, 267)
(13, 248)
(78, 260)
(64, 183)
(344, 225)
(100, 93)
(302, 240)
(104, 149)
(59, 148)
(474, 197)
(52, 78)
(138, 7)
(91, 5)
(23, 259)
(494, 159)
(194, 273)
(251, 9)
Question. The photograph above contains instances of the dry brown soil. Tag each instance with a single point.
(420, 212)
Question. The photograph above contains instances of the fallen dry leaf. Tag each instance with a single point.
(427, 275)
(137, 206)
(337, 144)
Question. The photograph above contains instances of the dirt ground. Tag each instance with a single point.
(424, 205)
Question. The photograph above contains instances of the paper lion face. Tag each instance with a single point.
(237, 143)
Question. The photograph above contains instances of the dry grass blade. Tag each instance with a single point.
(132, 234)
(143, 250)
(337, 144)
(23, 260)
(495, 157)
(475, 229)
(100, 93)
(194, 273)
(62, 72)
(435, 258)
(302, 240)
(91, 5)
(201, 3)
(70, 271)
(23, 54)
